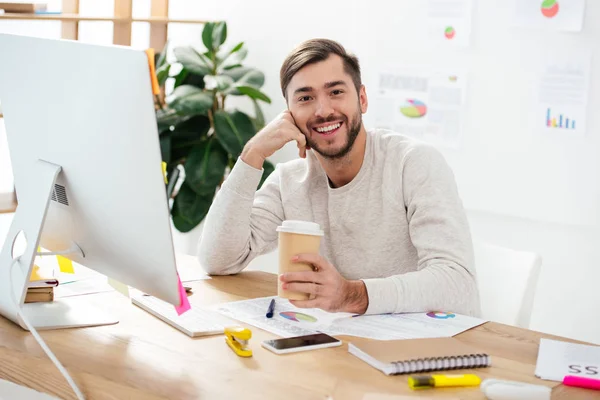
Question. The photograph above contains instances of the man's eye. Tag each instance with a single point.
(337, 92)
(304, 98)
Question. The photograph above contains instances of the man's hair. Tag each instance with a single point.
(313, 51)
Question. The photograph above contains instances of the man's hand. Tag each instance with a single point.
(328, 289)
(271, 138)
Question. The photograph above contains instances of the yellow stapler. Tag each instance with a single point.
(237, 338)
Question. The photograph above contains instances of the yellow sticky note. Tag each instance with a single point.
(119, 287)
(65, 265)
(39, 250)
(164, 168)
(35, 274)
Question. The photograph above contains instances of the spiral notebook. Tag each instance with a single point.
(419, 355)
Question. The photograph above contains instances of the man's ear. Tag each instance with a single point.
(362, 99)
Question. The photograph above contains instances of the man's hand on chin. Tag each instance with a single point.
(328, 289)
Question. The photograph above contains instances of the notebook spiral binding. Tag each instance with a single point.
(441, 363)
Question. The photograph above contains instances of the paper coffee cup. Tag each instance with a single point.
(296, 237)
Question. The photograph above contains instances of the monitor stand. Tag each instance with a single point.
(15, 269)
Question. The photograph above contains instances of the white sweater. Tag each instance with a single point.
(399, 225)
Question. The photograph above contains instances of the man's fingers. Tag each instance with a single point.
(313, 259)
(303, 287)
(301, 276)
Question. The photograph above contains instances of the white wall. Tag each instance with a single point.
(520, 190)
(505, 174)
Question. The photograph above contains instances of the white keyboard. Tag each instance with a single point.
(195, 322)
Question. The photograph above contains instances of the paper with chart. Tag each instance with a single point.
(289, 321)
(556, 359)
(449, 22)
(557, 15)
(563, 94)
(427, 105)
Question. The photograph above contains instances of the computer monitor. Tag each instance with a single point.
(84, 146)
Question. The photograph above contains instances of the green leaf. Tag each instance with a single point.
(219, 35)
(233, 59)
(162, 74)
(165, 148)
(166, 118)
(188, 134)
(237, 47)
(207, 35)
(245, 76)
(189, 100)
(193, 61)
(253, 93)
(189, 208)
(231, 67)
(259, 117)
(185, 78)
(233, 131)
(205, 166)
(219, 82)
(268, 168)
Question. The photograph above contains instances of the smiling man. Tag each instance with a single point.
(396, 235)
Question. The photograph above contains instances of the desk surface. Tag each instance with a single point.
(142, 357)
(7, 203)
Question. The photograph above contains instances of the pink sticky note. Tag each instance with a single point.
(184, 304)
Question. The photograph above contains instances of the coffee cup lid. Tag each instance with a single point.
(301, 227)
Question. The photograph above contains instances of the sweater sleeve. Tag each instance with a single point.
(241, 223)
(444, 279)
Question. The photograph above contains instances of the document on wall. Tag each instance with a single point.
(563, 94)
(425, 104)
(289, 320)
(557, 359)
(449, 22)
(556, 15)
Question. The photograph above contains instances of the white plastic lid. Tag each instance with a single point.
(301, 227)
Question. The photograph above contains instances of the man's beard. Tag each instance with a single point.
(353, 131)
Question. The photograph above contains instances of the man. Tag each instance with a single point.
(396, 235)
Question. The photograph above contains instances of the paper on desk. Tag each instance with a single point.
(556, 359)
(289, 321)
(405, 326)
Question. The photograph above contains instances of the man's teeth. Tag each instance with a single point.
(328, 128)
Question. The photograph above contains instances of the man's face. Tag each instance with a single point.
(326, 107)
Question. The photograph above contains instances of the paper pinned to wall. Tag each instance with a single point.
(563, 94)
(556, 15)
(449, 22)
(424, 104)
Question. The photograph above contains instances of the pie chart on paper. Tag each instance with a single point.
(296, 316)
(413, 108)
(549, 8)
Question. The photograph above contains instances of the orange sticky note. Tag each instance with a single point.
(184, 303)
(119, 287)
(164, 169)
(153, 78)
(65, 265)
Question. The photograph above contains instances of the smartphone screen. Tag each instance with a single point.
(301, 341)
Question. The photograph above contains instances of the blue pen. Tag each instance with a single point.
(271, 309)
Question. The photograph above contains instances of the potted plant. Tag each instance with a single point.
(197, 132)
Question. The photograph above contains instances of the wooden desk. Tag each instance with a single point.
(8, 203)
(142, 357)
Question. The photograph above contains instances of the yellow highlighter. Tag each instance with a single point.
(434, 381)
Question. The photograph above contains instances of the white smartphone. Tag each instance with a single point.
(301, 343)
